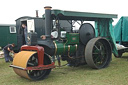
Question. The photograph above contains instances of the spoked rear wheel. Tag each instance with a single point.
(98, 53)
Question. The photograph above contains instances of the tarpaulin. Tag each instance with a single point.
(121, 30)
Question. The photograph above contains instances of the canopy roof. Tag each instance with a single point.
(121, 29)
(80, 15)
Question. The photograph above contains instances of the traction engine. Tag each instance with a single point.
(87, 45)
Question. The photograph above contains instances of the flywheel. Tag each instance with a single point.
(98, 53)
(87, 32)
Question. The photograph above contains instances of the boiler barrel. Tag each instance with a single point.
(63, 48)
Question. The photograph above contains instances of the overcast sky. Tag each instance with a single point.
(10, 10)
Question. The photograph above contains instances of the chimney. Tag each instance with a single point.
(48, 24)
(37, 13)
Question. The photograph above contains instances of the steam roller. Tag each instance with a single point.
(89, 45)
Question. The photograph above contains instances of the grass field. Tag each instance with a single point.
(115, 74)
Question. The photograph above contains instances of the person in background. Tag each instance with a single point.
(58, 59)
(23, 32)
(7, 49)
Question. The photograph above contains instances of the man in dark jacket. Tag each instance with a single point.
(7, 49)
(23, 32)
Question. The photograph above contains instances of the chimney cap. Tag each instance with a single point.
(47, 7)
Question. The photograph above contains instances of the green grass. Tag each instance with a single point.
(115, 74)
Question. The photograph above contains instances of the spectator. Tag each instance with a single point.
(7, 49)
(58, 59)
(23, 32)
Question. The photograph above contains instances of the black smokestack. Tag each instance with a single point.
(48, 22)
(37, 13)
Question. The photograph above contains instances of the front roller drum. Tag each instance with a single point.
(98, 53)
(26, 59)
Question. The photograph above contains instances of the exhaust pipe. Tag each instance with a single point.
(37, 13)
(48, 22)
